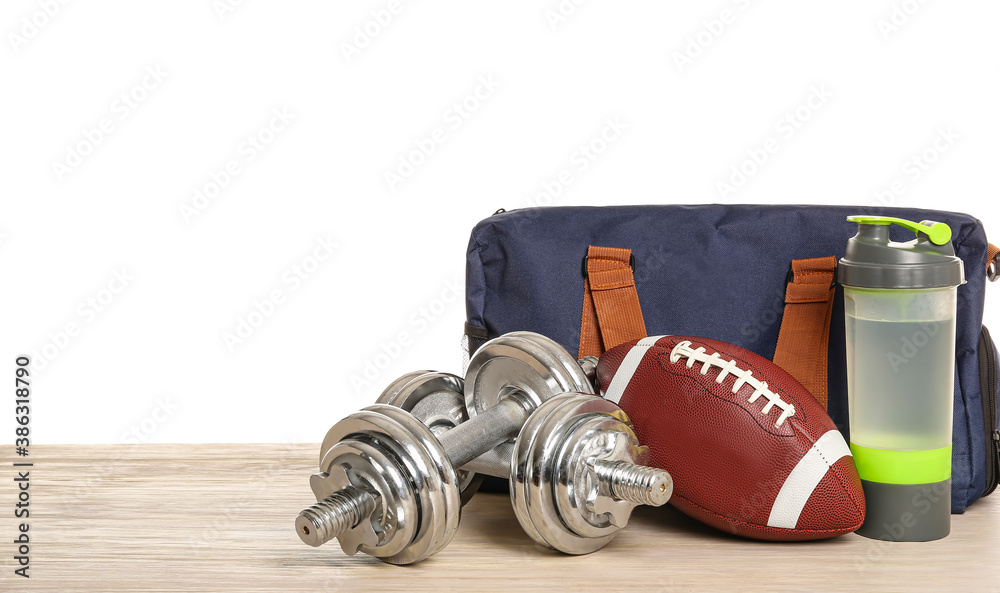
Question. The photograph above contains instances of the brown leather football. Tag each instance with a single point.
(750, 450)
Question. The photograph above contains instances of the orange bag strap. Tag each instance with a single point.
(804, 336)
(611, 311)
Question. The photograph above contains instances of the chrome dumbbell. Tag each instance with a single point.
(578, 448)
(388, 485)
(576, 472)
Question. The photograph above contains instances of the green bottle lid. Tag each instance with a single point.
(873, 261)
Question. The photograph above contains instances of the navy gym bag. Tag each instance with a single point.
(720, 271)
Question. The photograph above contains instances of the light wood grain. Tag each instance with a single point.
(219, 518)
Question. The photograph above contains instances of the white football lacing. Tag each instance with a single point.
(683, 349)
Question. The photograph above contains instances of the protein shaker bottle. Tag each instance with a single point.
(899, 306)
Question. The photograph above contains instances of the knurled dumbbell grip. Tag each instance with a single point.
(484, 431)
(495, 462)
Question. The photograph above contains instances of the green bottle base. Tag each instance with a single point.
(907, 512)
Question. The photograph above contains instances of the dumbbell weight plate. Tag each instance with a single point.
(437, 400)
(607, 435)
(427, 495)
(556, 443)
(521, 363)
(361, 460)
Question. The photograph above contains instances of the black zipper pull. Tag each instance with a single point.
(499, 211)
(996, 461)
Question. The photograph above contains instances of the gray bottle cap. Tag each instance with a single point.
(873, 261)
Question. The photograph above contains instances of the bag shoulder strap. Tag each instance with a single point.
(804, 336)
(611, 311)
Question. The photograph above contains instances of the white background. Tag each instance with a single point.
(696, 85)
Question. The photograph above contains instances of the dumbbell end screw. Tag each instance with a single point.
(635, 483)
(332, 516)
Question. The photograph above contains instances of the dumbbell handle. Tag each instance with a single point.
(498, 424)
(484, 431)
(626, 481)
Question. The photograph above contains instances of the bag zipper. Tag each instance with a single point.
(988, 379)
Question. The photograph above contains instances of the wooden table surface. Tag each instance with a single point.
(220, 518)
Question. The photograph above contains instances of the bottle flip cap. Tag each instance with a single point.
(873, 261)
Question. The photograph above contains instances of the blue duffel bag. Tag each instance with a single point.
(721, 271)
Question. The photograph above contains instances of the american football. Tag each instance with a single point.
(750, 450)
